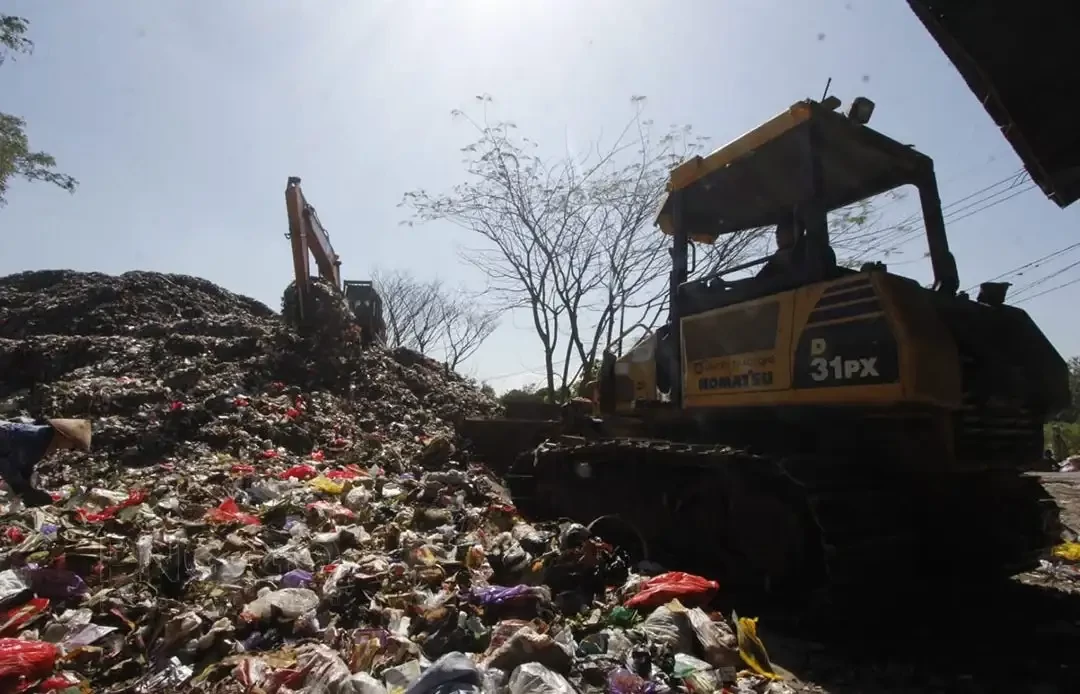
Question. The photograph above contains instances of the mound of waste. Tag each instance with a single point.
(265, 511)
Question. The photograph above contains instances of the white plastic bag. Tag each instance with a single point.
(534, 678)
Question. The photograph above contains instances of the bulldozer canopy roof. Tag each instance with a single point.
(1018, 58)
(756, 179)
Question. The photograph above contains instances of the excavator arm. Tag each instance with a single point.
(308, 238)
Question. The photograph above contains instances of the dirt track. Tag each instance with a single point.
(1023, 636)
(1065, 486)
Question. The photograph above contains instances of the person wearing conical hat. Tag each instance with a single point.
(23, 446)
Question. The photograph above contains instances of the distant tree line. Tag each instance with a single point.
(1066, 424)
(432, 318)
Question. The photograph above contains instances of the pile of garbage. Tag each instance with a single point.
(271, 511)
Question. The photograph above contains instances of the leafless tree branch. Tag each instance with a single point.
(431, 318)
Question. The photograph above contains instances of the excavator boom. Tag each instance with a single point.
(308, 238)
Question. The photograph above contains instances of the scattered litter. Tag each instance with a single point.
(264, 511)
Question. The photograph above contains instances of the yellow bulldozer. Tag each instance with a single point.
(811, 427)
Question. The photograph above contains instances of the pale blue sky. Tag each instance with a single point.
(182, 120)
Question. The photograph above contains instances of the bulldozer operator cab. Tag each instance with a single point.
(803, 330)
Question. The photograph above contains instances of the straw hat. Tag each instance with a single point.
(76, 430)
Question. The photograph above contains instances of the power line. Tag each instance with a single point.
(523, 372)
(954, 220)
(903, 235)
(1043, 280)
(1032, 263)
(900, 232)
(951, 179)
(1047, 291)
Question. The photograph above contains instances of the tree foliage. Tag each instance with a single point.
(17, 159)
(532, 392)
(431, 318)
(1072, 414)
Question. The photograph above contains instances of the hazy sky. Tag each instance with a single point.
(183, 120)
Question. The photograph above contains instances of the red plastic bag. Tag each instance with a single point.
(349, 473)
(659, 590)
(229, 512)
(12, 620)
(134, 498)
(300, 472)
(60, 682)
(32, 660)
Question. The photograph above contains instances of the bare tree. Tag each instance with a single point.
(569, 239)
(466, 329)
(429, 317)
(400, 304)
(431, 314)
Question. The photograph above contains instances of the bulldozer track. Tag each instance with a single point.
(814, 526)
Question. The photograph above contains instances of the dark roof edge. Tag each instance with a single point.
(984, 90)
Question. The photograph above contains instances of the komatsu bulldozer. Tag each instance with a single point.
(814, 427)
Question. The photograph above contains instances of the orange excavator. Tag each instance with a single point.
(310, 238)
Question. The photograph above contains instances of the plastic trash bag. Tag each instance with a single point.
(12, 585)
(658, 590)
(29, 659)
(299, 472)
(527, 645)
(622, 681)
(669, 628)
(686, 665)
(500, 595)
(297, 578)
(13, 619)
(144, 551)
(495, 681)
(400, 677)
(1069, 551)
(327, 485)
(56, 583)
(751, 648)
(362, 683)
(229, 512)
(86, 635)
(324, 668)
(623, 617)
(290, 603)
(454, 673)
(134, 498)
(703, 682)
(534, 678)
(718, 643)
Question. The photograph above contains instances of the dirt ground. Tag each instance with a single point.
(1065, 486)
(1021, 636)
